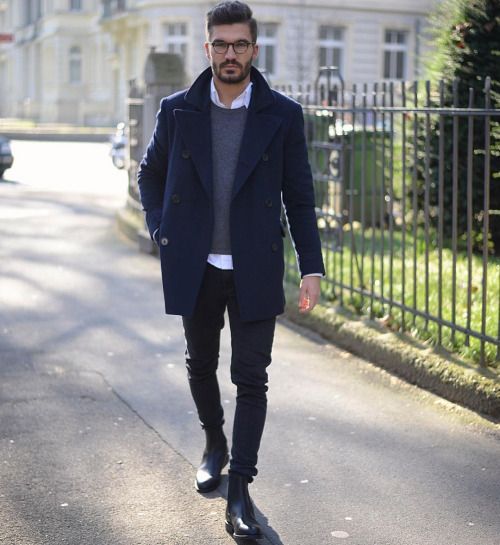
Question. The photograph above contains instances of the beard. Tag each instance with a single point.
(240, 71)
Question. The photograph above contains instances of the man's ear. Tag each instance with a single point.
(255, 53)
(207, 50)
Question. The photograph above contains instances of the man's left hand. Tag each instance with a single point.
(309, 293)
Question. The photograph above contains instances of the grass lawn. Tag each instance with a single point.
(372, 262)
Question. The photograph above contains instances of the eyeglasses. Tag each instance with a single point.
(239, 47)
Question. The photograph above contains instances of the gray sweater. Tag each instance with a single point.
(227, 132)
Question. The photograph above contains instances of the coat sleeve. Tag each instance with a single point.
(298, 198)
(153, 171)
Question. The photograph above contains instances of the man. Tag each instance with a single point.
(223, 157)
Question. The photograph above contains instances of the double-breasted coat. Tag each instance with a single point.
(175, 183)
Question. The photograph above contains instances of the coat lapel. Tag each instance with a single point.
(259, 131)
(195, 131)
(195, 127)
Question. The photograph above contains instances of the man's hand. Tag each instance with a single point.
(309, 293)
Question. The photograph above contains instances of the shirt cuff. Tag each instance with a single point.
(314, 274)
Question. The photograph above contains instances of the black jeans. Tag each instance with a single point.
(251, 344)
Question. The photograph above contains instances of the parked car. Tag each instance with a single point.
(6, 157)
(119, 143)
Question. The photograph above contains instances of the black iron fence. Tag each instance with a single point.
(407, 182)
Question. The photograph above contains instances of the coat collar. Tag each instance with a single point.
(194, 125)
(199, 93)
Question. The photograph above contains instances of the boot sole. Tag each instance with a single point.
(230, 531)
(216, 483)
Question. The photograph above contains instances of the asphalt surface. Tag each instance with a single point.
(98, 435)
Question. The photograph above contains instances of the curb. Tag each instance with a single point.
(49, 135)
(447, 376)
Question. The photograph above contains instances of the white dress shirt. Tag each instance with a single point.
(223, 261)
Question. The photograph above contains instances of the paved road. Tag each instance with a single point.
(98, 438)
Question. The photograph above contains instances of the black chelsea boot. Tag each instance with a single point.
(240, 516)
(215, 457)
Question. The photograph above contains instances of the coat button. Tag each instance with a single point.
(274, 247)
(186, 154)
(269, 203)
(164, 241)
(265, 157)
(176, 199)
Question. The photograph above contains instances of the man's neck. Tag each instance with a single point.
(229, 91)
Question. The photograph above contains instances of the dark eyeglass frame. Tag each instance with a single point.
(239, 47)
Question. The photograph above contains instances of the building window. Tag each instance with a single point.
(75, 5)
(331, 47)
(75, 65)
(28, 18)
(32, 11)
(395, 54)
(176, 38)
(268, 47)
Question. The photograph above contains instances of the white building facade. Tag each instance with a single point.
(55, 67)
(72, 60)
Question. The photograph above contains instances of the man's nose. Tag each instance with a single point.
(230, 54)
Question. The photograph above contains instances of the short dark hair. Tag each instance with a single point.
(231, 12)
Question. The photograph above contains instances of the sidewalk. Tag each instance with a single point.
(95, 413)
(442, 373)
(79, 466)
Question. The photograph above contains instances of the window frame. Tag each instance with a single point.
(75, 62)
(178, 42)
(75, 5)
(331, 44)
(266, 44)
(394, 49)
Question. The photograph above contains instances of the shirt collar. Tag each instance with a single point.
(238, 102)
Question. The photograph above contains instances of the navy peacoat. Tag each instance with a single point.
(175, 183)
